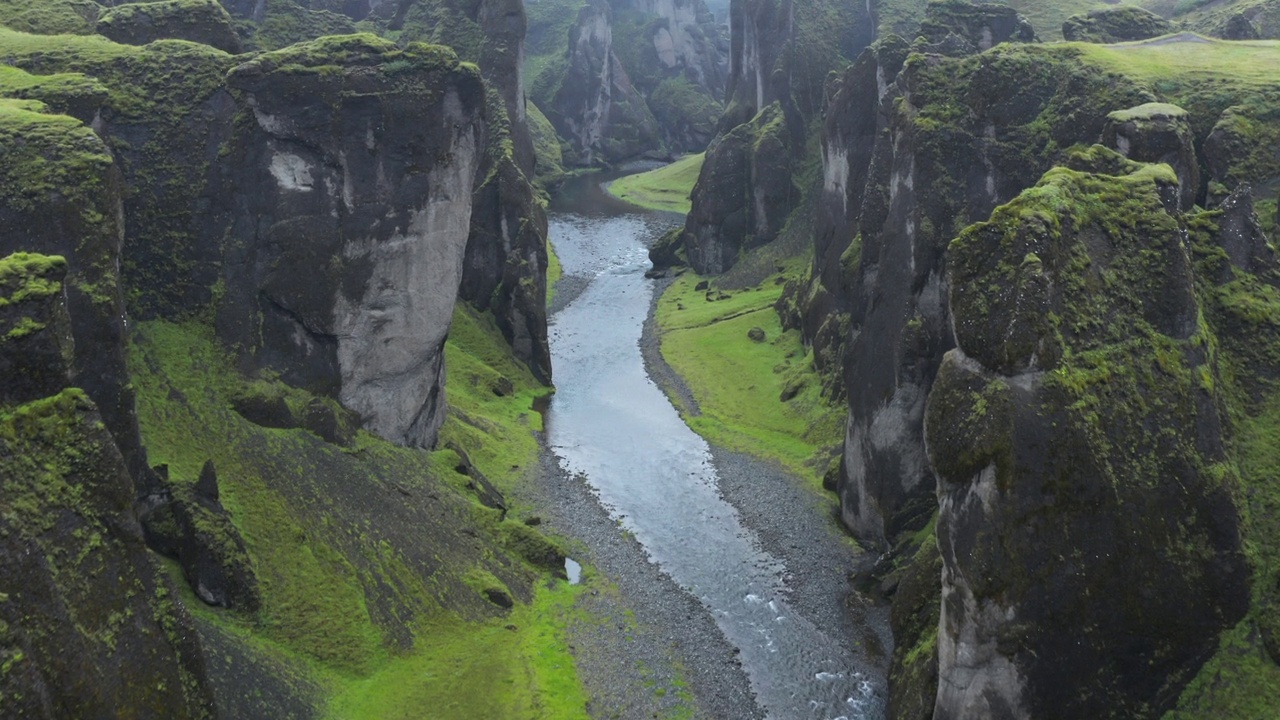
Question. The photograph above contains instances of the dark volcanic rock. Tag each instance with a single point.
(202, 21)
(931, 166)
(1065, 445)
(264, 404)
(958, 27)
(1158, 133)
(82, 222)
(744, 192)
(597, 108)
(88, 626)
(36, 348)
(186, 521)
(358, 308)
(1116, 24)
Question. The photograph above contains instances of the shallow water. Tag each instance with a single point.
(611, 424)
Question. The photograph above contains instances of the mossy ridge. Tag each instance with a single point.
(546, 146)
(1243, 311)
(155, 96)
(664, 189)
(739, 383)
(358, 550)
(50, 17)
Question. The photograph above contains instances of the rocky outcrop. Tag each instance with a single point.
(859, 111)
(1064, 445)
(780, 59)
(957, 27)
(1116, 24)
(88, 626)
(597, 109)
(202, 21)
(744, 192)
(347, 233)
(933, 165)
(1158, 133)
(1244, 147)
(62, 195)
(186, 521)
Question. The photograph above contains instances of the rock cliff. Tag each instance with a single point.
(88, 623)
(346, 233)
(1065, 445)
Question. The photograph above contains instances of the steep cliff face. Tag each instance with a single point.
(1067, 446)
(935, 165)
(597, 108)
(506, 259)
(779, 62)
(347, 233)
(88, 626)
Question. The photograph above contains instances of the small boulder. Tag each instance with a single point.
(756, 334)
(702, 285)
(498, 597)
(1238, 27)
(263, 404)
(337, 426)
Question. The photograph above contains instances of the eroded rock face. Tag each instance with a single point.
(88, 624)
(347, 232)
(931, 167)
(1159, 133)
(82, 222)
(597, 108)
(1116, 24)
(957, 27)
(1064, 446)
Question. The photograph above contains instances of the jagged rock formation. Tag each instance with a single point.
(1117, 24)
(1065, 444)
(88, 626)
(639, 77)
(597, 108)
(953, 136)
(1157, 133)
(201, 21)
(781, 55)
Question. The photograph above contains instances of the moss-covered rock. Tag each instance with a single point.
(1116, 24)
(50, 17)
(1158, 133)
(202, 21)
(1065, 448)
(959, 27)
(186, 521)
(62, 195)
(36, 348)
(89, 626)
(744, 192)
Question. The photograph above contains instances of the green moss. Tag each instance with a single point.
(44, 154)
(285, 22)
(26, 276)
(50, 17)
(667, 188)
(546, 144)
(739, 384)
(496, 430)
(515, 667)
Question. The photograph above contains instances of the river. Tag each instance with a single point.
(611, 425)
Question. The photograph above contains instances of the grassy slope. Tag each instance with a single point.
(322, 565)
(738, 382)
(666, 188)
(1251, 63)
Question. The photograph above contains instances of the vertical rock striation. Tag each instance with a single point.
(347, 230)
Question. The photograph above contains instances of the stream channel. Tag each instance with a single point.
(611, 426)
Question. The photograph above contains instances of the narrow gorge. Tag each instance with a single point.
(784, 359)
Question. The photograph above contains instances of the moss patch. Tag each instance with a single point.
(667, 188)
(739, 383)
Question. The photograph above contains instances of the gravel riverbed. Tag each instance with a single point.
(644, 646)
